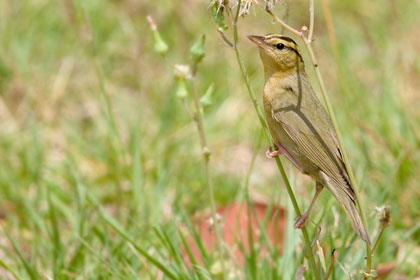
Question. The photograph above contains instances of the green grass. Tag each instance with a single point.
(101, 166)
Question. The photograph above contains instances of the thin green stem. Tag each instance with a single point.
(285, 25)
(10, 269)
(257, 108)
(206, 158)
(331, 267)
(377, 239)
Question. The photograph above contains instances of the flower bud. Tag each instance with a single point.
(206, 100)
(197, 50)
(217, 10)
(384, 215)
(160, 46)
(181, 89)
(182, 71)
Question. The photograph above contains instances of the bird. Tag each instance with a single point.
(301, 128)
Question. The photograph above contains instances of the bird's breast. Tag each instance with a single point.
(279, 135)
(277, 98)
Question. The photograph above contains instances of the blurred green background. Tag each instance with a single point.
(90, 124)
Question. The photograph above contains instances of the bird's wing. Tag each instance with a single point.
(309, 126)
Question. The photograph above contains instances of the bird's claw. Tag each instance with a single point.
(272, 154)
(301, 221)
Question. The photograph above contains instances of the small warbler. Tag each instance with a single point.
(301, 128)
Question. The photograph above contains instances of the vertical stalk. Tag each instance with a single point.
(309, 253)
(197, 117)
(311, 20)
(377, 239)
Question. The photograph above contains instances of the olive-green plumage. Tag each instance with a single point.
(299, 123)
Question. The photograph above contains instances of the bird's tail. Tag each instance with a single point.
(350, 208)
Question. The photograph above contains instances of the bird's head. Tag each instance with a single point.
(278, 52)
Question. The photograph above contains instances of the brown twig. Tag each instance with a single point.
(222, 34)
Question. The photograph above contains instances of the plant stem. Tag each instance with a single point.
(197, 117)
(311, 20)
(335, 125)
(257, 108)
(377, 239)
(331, 267)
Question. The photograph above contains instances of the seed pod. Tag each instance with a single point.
(197, 50)
(160, 45)
(206, 99)
(181, 89)
(384, 214)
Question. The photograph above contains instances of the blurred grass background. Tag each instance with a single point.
(89, 115)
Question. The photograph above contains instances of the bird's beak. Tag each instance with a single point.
(258, 40)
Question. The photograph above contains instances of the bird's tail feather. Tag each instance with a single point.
(351, 210)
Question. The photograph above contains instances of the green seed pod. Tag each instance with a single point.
(206, 100)
(160, 46)
(181, 89)
(197, 50)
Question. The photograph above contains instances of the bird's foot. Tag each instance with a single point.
(282, 150)
(301, 221)
(271, 154)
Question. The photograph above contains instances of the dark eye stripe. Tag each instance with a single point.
(288, 39)
(285, 39)
(296, 52)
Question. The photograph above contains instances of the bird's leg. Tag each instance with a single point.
(302, 220)
(282, 150)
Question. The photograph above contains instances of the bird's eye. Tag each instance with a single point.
(280, 46)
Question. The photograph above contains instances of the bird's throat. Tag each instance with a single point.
(273, 69)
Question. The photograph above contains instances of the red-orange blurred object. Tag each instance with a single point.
(234, 221)
(385, 269)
